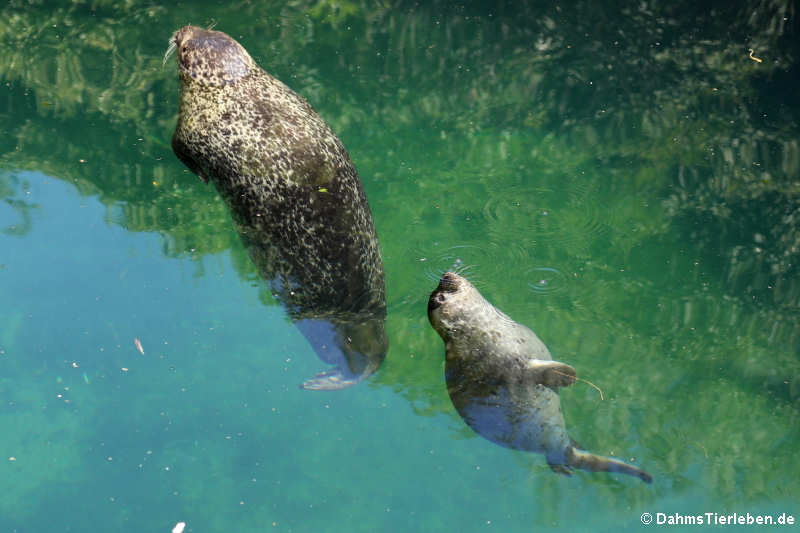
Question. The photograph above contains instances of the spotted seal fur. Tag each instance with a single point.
(294, 195)
(504, 383)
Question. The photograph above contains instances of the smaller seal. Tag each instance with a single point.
(504, 383)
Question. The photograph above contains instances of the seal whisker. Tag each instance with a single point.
(173, 45)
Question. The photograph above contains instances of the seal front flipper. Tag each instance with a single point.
(549, 373)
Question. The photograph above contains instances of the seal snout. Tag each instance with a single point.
(449, 283)
(177, 41)
(182, 34)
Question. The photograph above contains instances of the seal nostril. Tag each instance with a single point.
(449, 282)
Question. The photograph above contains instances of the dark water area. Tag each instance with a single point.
(623, 178)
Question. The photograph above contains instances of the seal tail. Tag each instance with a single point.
(598, 463)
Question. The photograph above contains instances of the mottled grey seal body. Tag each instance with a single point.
(503, 381)
(294, 194)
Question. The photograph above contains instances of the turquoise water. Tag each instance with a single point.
(621, 178)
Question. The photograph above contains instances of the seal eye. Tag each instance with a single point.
(435, 301)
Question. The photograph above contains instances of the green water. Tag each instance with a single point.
(621, 177)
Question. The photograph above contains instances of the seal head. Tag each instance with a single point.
(503, 382)
(211, 57)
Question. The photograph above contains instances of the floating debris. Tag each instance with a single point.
(754, 58)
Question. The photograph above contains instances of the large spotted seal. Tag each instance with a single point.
(294, 195)
(503, 381)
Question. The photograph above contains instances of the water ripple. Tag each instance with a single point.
(570, 218)
(468, 260)
(546, 280)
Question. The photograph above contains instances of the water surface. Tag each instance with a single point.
(622, 179)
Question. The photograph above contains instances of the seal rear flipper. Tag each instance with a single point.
(560, 469)
(597, 463)
(550, 373)
(333, 379)
(574, 444)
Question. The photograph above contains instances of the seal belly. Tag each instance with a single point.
(527, 418)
